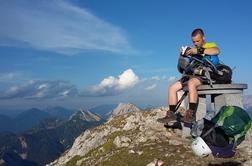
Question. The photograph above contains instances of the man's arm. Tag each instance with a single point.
(212, 51)
(207, 51)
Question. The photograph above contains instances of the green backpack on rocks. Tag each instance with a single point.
(222, 132)
(234, 121)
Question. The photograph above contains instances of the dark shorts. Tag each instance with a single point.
(184, 80)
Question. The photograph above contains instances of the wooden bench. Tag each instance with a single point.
(220, 95)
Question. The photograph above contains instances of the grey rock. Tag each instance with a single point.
(123, 109)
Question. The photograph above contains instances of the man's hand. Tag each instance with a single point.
(183, 50)
(180, 51)
(192, 51)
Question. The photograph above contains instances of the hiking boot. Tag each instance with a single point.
(170, 117)
(189, 117)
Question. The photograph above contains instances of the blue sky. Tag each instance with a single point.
(85, 53)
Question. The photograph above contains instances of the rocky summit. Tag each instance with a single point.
(124, 108)
(137, 139)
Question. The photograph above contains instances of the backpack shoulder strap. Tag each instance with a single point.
(208, 131)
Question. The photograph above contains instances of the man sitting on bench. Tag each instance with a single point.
(202, 50)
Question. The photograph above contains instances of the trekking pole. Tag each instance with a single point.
(180, 101)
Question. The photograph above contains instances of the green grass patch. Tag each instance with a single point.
(73, 161)
(150, 152)
(117, 122)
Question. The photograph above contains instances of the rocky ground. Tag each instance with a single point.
(137, 139)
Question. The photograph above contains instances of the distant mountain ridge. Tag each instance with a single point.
(247, 101)
(85, 115)
(60, 112)
(31, 117)
(51, 137)
(249, 110)
(104, 110)
(27, 119)
(46, 141)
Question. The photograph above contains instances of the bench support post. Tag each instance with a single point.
(227, 99)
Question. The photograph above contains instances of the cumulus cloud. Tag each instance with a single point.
(57, 89)
(58, 26)
(109, 86)
(40, 90)
(114, 85)
(151, 87)
(159, 78)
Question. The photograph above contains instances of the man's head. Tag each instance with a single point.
(198, 37)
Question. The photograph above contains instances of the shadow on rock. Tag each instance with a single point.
(176, 125)
(226, 164)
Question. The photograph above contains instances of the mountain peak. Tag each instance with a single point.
(124, 108)
(85, 115)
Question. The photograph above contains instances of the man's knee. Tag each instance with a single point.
(174, 87)
(193, 83)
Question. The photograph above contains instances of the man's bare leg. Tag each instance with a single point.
(192, 87)
(172, 93)
(190, 115)
(172, 100)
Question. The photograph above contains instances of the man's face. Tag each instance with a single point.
(198, 40)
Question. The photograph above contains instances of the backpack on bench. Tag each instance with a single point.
(213, 74)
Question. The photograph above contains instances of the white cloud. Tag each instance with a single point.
(58, 26)
(36, 89)
(127, 80)
(172, 78)
(112, 85)
(151, 87)
(159, 78)
(40, 90)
